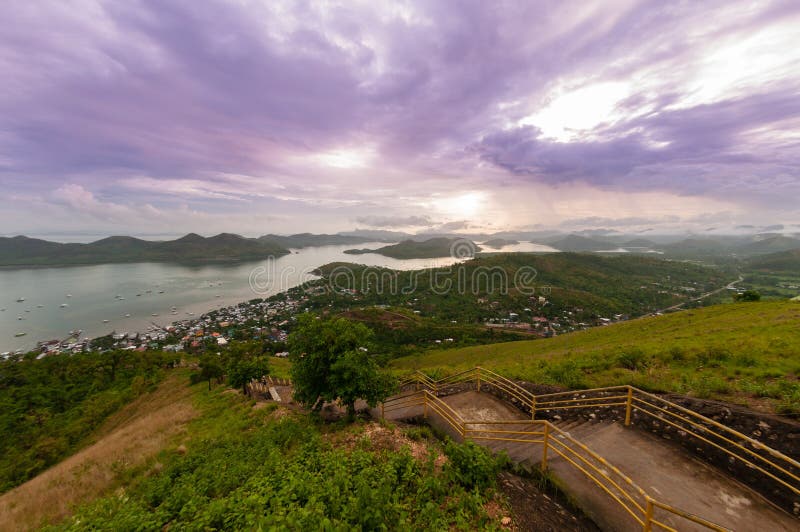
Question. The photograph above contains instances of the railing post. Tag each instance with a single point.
(478, 381)
(648, 515)
(425, 404)
(533, 408)
(382, 412)
(628, 405)
(546, 442)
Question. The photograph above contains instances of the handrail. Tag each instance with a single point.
(778, 463)
(551, 438)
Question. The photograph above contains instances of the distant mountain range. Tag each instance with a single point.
(694, 247)
(24, 251)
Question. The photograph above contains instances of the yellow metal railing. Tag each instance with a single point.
(546, 438)
(755, 455)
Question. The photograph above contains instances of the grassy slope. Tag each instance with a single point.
(743, 352)
(128, 439)
(244, 465)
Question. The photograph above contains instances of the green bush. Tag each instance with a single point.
(473, 466)
(633, 359)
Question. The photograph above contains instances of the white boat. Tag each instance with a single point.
(105, 321)
(127, 315)
(20, 300)
(20, 334)
(154, 314)
(39, 306)
(69, 295)
(63, 305)
(19, 317)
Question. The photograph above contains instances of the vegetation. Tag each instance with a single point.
(743, 352)
(24, 251)
(49, 406)
(331, 361)
(491, 286)
(748, 295)
(427, 249)
(269, 468)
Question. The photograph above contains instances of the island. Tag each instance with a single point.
(426, 249)
(498, 243)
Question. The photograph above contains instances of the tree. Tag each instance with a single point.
(330, 361)
(747, 295)
(243, 370)
(210, 369)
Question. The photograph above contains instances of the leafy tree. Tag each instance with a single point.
(748, 295)
(210, 369)
(330, 361)
(243, 370)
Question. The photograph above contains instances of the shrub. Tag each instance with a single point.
(633, 359)
(473, 466)
(566, 373)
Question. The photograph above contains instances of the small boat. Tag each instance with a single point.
(69, 295)
(127, 315)
(154, 314)
(217, 295)
(122, 299)
(19, 317)
(105, 321)
(160, 291)
(2, 310)
(20, 300)
(63, 305)
(39, 306)
(20, 334)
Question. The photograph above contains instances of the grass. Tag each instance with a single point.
(129, 439)
(243, 467)
(746, 352)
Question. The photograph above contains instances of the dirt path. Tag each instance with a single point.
(127, 439)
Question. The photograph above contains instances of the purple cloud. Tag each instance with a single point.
(341, 112)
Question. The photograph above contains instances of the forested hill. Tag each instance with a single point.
(427, 249)
(24, 251)
(493, 285)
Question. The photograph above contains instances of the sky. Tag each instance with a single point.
(161, 117)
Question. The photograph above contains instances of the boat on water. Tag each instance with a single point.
(20, 299)
(19, 317)
(20, 334)
(39, 306)
(160, 291)
(63, 305)
(127, 315)
(69, 295)
(105, 321)
(154, 314)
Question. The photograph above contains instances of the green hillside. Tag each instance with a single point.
(747, 352)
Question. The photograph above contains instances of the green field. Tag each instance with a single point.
(747, 353)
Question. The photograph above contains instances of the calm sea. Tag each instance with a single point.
(114, 291)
